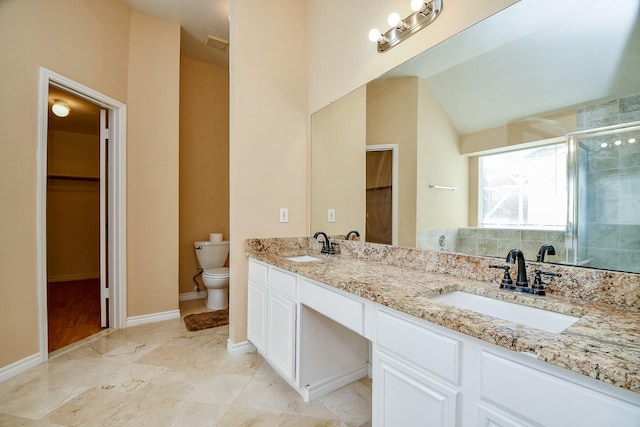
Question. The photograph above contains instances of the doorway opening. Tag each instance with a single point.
(382, 194)
(76, 215)
(81, 207)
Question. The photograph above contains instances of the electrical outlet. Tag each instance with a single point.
(284, 215)
(331, 215)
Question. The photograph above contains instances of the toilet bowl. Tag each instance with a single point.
(216, 280)
(211, 258)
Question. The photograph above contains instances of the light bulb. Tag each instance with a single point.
(604, 145)
(60, 108)
(394, 19)
(618, 142)
(417, 5)
(375, 35)
(631, 140)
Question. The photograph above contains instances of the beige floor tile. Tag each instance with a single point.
(237, 417)
(270, 393)
(244, 364)
(351, 403)
(162, 374)
(197, 414)
(34, 396)
(13, 421)
(133, 378)
(181, 358)
(172, 384)
(94, 407)
(140, 410)
(218, 389)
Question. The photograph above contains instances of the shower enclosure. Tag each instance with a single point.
(603, 229)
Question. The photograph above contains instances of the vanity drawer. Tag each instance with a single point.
(258, 272)
(283, 282)
(335, 305)
(514, 385)
(417, 344)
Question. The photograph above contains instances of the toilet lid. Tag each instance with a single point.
(220, 272)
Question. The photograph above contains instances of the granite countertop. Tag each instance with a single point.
(603, 344)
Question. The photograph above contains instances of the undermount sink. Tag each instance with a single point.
(303, 258)
(549, 321)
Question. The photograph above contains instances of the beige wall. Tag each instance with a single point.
(392, 118)
(338, 139)
(272, 95)
(25, 31)
(439, 163)
(269, 149)
(148, 84)
(152, 165)
(204, 160)
(341, 56)
(504, 138)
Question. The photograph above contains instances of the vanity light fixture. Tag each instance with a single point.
(424, 13)
(60, 108)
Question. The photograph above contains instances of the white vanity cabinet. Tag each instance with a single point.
(308, 332)
(258, 305)
(416, 374)
(283, 311)
(444, 378)
(317, 337)
(544, 395)
(272, 316)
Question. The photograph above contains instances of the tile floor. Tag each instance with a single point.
(160, 374)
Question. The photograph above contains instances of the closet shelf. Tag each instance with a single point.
(74, 178)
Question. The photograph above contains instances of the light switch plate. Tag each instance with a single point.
(284, 215)
(331, 215)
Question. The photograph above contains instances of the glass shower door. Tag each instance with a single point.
(604, 198)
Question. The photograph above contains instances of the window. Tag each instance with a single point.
(524, 189)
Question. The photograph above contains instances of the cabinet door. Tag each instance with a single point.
(491, 417)
(403, 396)
(282, 333)
(257, 316)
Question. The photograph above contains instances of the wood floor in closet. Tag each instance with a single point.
(73, 310)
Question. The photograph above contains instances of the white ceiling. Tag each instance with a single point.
(197, 19)
(533, 58)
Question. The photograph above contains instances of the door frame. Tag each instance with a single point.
(116, 225)
(394, 185)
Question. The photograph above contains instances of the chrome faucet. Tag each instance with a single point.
(546, 248)
(354, 232)
(513, 255)
(327, 247)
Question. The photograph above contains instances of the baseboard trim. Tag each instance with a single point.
(192, 295)
(153, 317)
(73, 277)
(236, 349)
(19, 367)
(320, 388)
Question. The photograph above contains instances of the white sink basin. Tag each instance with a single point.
(303, 258)
(549, 321)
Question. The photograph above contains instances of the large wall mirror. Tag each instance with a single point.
(519, 131)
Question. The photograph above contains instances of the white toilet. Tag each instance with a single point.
(211, 258)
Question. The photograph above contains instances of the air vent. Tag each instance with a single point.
(216, 43)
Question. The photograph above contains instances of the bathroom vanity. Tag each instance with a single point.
(326, 322)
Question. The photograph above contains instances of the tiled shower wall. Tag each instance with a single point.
(495, 242)
(613, 186)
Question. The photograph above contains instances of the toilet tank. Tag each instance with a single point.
(211, 254)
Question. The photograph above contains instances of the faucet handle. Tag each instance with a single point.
(507, 282)
(538, 287)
